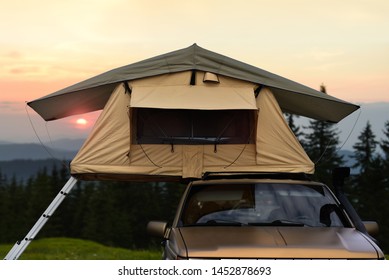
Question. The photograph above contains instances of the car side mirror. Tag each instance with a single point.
(157, 228)
(372, 228)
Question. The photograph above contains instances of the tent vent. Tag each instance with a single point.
(193, 78)
(210, 78)
(257, 90)
(127, 87)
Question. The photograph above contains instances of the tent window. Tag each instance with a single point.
(177, 126)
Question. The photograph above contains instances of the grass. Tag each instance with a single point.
(77, 249)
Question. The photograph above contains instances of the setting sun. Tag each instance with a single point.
(81, 122)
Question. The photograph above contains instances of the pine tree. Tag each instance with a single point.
(385, 143)
(4, 206)
(15, 220)
(364, 149)
(369, 188)
(321, 146)
(384, 213)
(40, 196)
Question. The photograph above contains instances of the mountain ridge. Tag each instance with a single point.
(22, 161)
(32, 151)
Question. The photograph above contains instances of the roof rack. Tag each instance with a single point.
(256, 175)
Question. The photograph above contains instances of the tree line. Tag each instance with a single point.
(368, 189)
(109, 212)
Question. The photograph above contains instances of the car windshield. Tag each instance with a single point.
(267, 204)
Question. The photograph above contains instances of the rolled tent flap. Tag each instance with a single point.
(173, 91)
(193, 97)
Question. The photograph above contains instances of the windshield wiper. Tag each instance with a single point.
(286, 223)
(218, 222)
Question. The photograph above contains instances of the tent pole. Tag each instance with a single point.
(20, 246)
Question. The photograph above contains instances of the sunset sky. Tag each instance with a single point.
(46, 45)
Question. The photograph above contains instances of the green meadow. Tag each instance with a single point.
(77, 249)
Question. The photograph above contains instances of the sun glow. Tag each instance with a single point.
(81, 122)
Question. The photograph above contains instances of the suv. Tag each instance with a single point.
(266, 217)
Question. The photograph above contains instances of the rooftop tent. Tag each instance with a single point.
(167, 129)
(188, 112)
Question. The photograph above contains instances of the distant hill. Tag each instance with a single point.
(60, 149)
(66, 144)
(22, 161)
(23, 169)
(351, 127)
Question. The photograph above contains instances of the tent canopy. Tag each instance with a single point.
(92, 94)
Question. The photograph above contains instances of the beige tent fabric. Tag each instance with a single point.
(108, 153)
(193, 97)
(192, 161)
(277, 147)
(109, 142)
